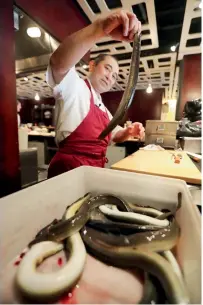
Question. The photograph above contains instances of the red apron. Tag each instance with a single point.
(82, 146)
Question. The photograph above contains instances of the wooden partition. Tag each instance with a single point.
(9, 152)
(189, 82)
(144, 106)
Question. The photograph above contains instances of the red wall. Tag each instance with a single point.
(190, 81)
(144, 106)
(9, 151)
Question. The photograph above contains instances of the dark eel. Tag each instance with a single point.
(100, 221)
(129, 90)
(160, 240)
(67, 227)
(59, 230)
(146, 210)
(139, 250)
(153, 292)
(145, 259)
(139, 254)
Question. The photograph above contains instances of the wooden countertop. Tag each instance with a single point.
(41, 134)
(161, 163)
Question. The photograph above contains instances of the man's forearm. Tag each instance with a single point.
(74, 47)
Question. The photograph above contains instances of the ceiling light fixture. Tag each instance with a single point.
(149, 89)
(37, 97)
(200, 5)
(173, 48)
(34, 32)
(85, 66)
(25, 79)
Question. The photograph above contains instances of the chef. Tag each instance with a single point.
(80, 115)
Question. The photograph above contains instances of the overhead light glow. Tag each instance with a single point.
(149, 89)
(25, 79)
(34, 32)
(200, 5)
(37, 97)
(85, 66)
(173, 48)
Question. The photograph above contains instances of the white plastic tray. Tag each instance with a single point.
(25, 212)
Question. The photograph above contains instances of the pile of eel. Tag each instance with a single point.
(116, 232)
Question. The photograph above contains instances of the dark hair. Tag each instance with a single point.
(101, 57)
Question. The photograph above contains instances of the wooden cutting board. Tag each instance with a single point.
(161, 163)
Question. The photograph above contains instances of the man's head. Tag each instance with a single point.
(103, 72)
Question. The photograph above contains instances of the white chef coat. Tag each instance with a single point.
(19, 119)
(72, 103)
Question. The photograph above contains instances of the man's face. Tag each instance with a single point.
(104, 74)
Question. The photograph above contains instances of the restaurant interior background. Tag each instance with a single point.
(169, 71)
